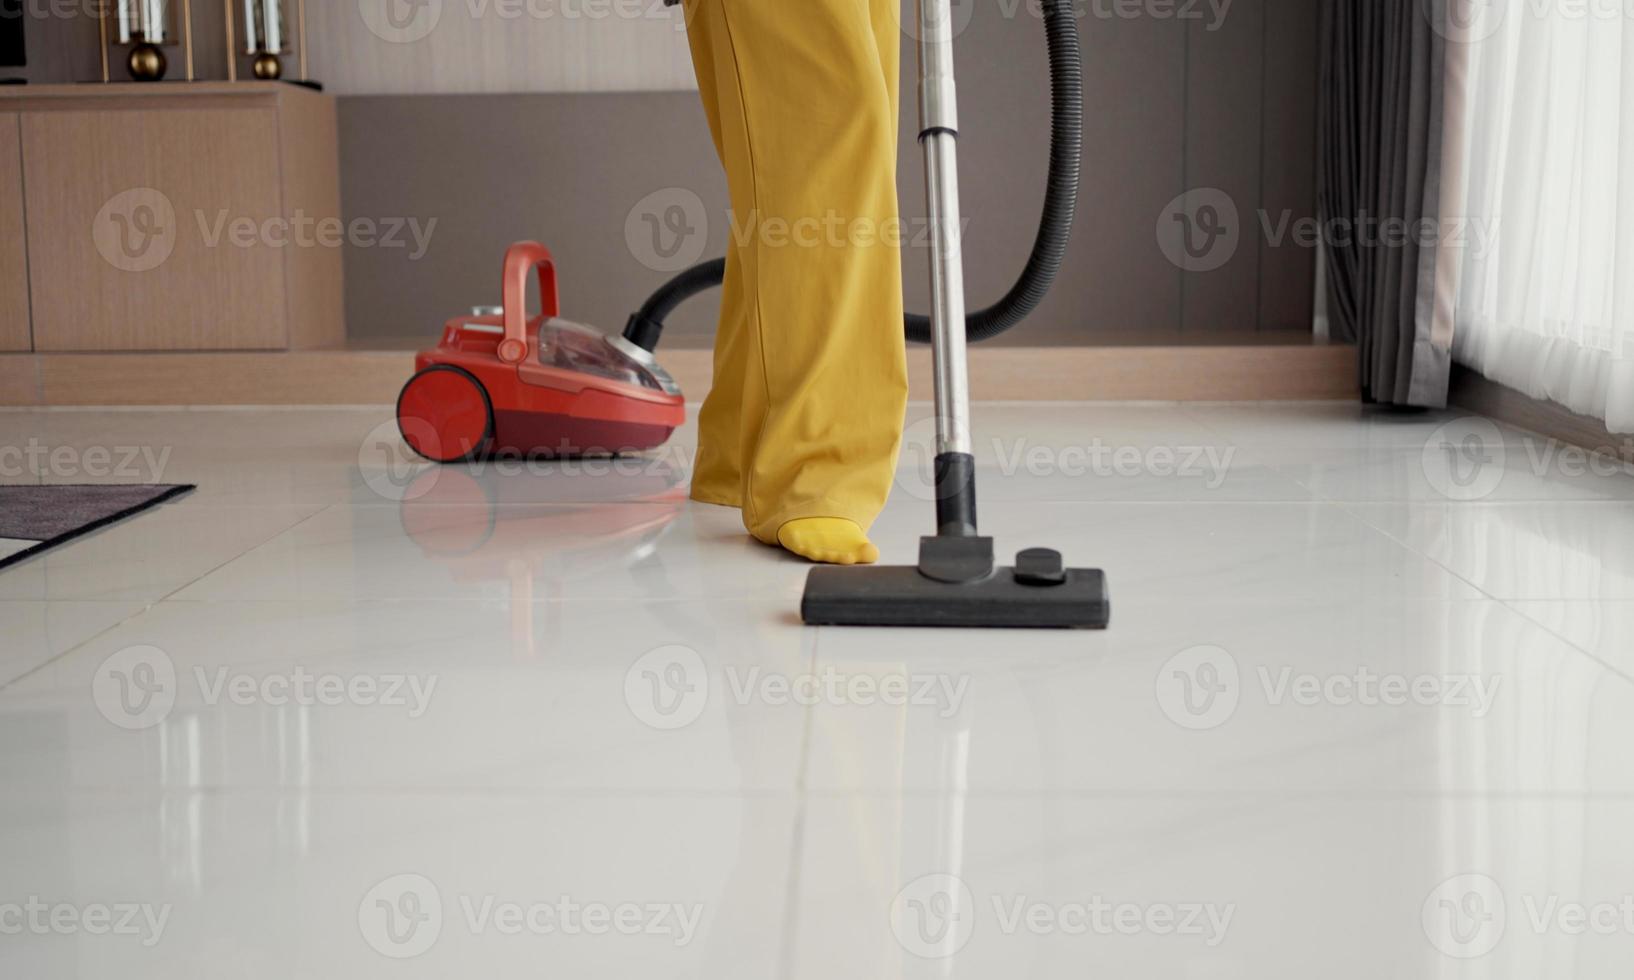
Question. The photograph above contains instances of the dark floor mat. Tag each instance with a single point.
(52, 514)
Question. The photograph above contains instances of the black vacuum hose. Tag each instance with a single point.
(647, 324)
(1054, 229)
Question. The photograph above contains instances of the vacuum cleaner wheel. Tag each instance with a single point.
(445, 415)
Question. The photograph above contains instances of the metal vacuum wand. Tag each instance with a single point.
(939, 138)
(939, 141)
(957, 582)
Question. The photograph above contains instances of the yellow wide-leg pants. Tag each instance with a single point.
(805, 416)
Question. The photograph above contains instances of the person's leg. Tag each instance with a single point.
(827, 539)
(887, 22)
(809, 140)
(717, 472)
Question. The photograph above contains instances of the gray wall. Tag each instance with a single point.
(1171, 106)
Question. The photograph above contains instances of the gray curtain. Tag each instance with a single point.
(1379, 174)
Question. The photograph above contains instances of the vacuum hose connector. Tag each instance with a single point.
(646, 326)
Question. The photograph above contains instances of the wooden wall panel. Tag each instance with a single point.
(1134, 150)
(20, 380)
(1262, 373)
(315, 284)
(1224, 106)
(390, 47)
(14, 327)
(104, 192)
(1288, 182)
(1134, 142)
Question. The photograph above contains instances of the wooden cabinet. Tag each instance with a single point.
(14, 330)
(176, 217)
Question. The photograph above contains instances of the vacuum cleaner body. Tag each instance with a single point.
(500, 382)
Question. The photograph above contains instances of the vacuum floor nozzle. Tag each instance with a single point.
(1037, 593)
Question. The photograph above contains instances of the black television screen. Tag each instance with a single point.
(11, 34)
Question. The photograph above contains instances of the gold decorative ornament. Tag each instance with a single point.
(266, 39)
(147, 27)
(146, 62)
(267, 67)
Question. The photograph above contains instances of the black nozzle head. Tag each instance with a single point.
(1009, 598)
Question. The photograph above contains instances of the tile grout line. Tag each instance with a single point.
(790, 927)
(830, 794)
(28, 282)
(1505, 603)
(149, 605)
(1610, 667)
(1349, 508)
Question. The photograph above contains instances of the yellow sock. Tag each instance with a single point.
(830, 540)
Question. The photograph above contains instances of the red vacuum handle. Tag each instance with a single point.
(521, 259)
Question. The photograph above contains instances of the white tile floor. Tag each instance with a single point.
(1366, 711)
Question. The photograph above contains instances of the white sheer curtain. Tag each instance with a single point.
(1541, 154)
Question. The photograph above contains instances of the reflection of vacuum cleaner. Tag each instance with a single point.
(540, 535)
(607, 394)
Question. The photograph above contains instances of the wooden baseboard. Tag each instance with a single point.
(19, 380)
(349, 377)
(1471, 391)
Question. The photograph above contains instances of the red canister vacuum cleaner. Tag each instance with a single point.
(503, 383)
(500, 382)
